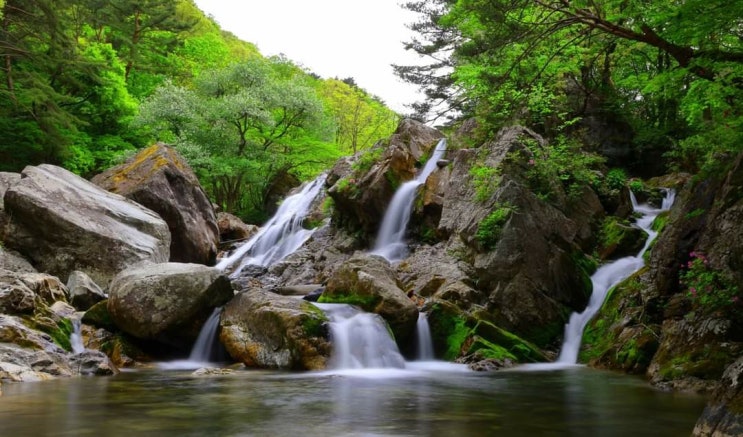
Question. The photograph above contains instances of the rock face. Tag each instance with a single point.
(84, 293)
(369, 282)
(723, 416)
(679, 320)
(266, 330)
(362, 187)
(519, 256)
(63, 223)
(161, 180)
(231, 228)
(35, 331)
(168, 302)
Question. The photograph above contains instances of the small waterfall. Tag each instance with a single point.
(390, 240)
(424, 343)
(360, 339)
(281, 235)
(607, 276)
(206, 346)
(76, 337)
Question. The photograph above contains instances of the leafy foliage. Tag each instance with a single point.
(489, 230)
(672, 71)
(706, 287)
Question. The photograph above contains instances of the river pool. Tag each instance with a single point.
(425, 400)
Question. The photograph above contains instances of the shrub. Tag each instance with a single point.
(705, 286)
(489, 230)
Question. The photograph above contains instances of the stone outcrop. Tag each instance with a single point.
(35, 330)
(84, 293)
(232, 229)
(723, 416)
(266, 330)
(369, 282)
(62, 223)
(161, 180)
(362, 187)
(679, 319)
(525, 269)
(167, 302)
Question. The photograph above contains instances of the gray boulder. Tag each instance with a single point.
(161, 180)
(63, 223)
(167, 302)
(84, 293)
(266, 330)
(369, 282)
(723, 417)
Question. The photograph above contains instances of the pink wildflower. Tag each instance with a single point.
(531, 162)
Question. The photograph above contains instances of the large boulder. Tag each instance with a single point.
(161, 180)
(84, 293)
(232, 229)
(167, 302)
(723, 416)
(523, 254)
(369, 282)
(62, 223)
(265, 330)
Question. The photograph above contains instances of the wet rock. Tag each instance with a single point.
(160, 179)
(166, 302)
(362, 188)
(232, 229)
(63, 223)
(84, 293)
(14, 262)
(266, 330)
(369, 282)
(95, 363)
(723, 416)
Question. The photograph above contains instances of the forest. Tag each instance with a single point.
(651, 87)
(86, 84)
(644, 87)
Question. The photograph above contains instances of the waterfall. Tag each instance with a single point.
(206, 346)
(360, 340)
(424, 343)
(76, 338)
(609, 275)
(390, 241)
(281, 235)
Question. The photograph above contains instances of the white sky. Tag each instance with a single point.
(332, 38)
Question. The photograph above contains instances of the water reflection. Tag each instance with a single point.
(578, 401)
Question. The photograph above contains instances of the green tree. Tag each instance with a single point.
(360, 119)
(242, 127)
(673, 67)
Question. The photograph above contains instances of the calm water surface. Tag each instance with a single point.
(420, 402)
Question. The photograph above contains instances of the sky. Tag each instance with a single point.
(332, 38)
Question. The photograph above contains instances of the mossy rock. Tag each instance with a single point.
(618, 337)
(619, 239)
(456, 334)
(98, 315)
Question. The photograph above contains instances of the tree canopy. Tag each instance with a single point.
(672, 70)
(85, 83)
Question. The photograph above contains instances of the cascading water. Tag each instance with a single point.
(607, 276)
(206, 346)
(76, 338)
(206, 350)
(360, 339)
(390, 241)
(424, 343)
(281, 235)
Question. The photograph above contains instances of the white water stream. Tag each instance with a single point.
(606, 277)
(424, 342)
(281, 235)
(76, 338)
(391, 238)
